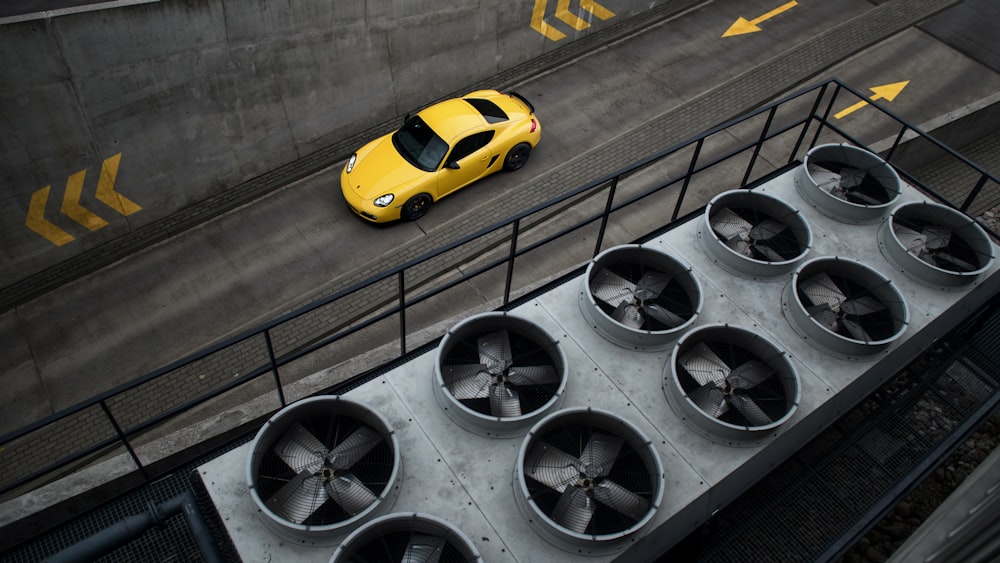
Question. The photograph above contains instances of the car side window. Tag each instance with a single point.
(469, 145)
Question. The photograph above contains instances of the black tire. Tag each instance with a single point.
(416, 207)
(517, 156)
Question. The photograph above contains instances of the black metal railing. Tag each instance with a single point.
(290, 357)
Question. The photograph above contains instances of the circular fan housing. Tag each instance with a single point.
(321, 466)
(638, 297)
(847, 183)
(496, 374)
(935, 245)
(731, 384)
(844, 307)
(405, 537)
(754, 234)
(587, 480)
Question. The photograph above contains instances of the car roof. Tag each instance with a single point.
(452, 119)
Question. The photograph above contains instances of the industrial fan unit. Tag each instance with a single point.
(321, 466)
(848, 183)
(407, 538)
(638, 297)
(496, 374)
(844, 307)
(731, 384)
(935, 245)
(754, 234)
(589, 479)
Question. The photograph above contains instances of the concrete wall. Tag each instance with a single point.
(199, 95)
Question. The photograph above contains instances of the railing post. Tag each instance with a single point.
(124, 440)
(895, 144)
(760, 142)
(402, 313)
(510, 261)
(607, 213)
(974, 193)
(687, 178)
(805, 127)
(274, 367)
(826, 115)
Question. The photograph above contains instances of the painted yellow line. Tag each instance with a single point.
(539, 25)
(594, 8)
(37, 222)
(887, 92)
(563, 13)
(106, 188)
(71, 203)
(743, 26)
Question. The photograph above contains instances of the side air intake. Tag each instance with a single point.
(935, 245)
(321, 466)
(731, 384)
(588, 479)
(754, 234)
(496, 374)
(638, 297)
(407, 538)
(847, 183)
(844, 307)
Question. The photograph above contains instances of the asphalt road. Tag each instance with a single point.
(284, 249)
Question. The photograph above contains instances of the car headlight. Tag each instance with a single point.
(384, 200)
(350, 162)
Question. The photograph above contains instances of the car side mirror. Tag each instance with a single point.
(453, 165)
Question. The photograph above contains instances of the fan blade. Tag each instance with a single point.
(628, 315)
(855, 329)
(768, 252)
(532, 375)
(469, 381)
(350, 493)
(704, 365)
(740, 245)
(424, 548)
(300, 449)
(851, 177)
(574, 510)
(551, 466)
(911, 240)
(767, 230)
(750, 410)
(353, 448)
(710, 399)
(860, 306)
(865, 198)
(611, 288)
(825, 178)
(504, 401)
(728, 225)
(824, 316)
(651, 285)
(937, 236)
(954, 264)
(600, 454)
(494, 351)
(298, 498)
(821, 290)
(621, 499)
(749, 374)
(663, 315)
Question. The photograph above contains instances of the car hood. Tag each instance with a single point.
(380, 169)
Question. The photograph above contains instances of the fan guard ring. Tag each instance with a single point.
(613, 287)
(731, 384)
(497, 373)
(589, 479)
(935, 245)
(412, 536)
(844, 307)
(848, 183)
(754, 234)
(320, 466)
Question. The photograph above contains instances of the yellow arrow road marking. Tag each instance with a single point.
(743, 26)
(37, 222)
(106, 188)
(887, 92)
(71, 203)
(539, 25)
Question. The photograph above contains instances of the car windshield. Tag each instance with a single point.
(419, 144)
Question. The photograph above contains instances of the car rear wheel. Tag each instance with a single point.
(416, 207)
(517, 156)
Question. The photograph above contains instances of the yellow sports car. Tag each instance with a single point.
(445, 147)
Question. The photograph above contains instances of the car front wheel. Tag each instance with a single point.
(416, 207)
(517, 156)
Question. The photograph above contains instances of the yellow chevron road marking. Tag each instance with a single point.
(564, 14)
(539, 25)
(71, 203)
(594, 8)
(37, 222)
(106, 188)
